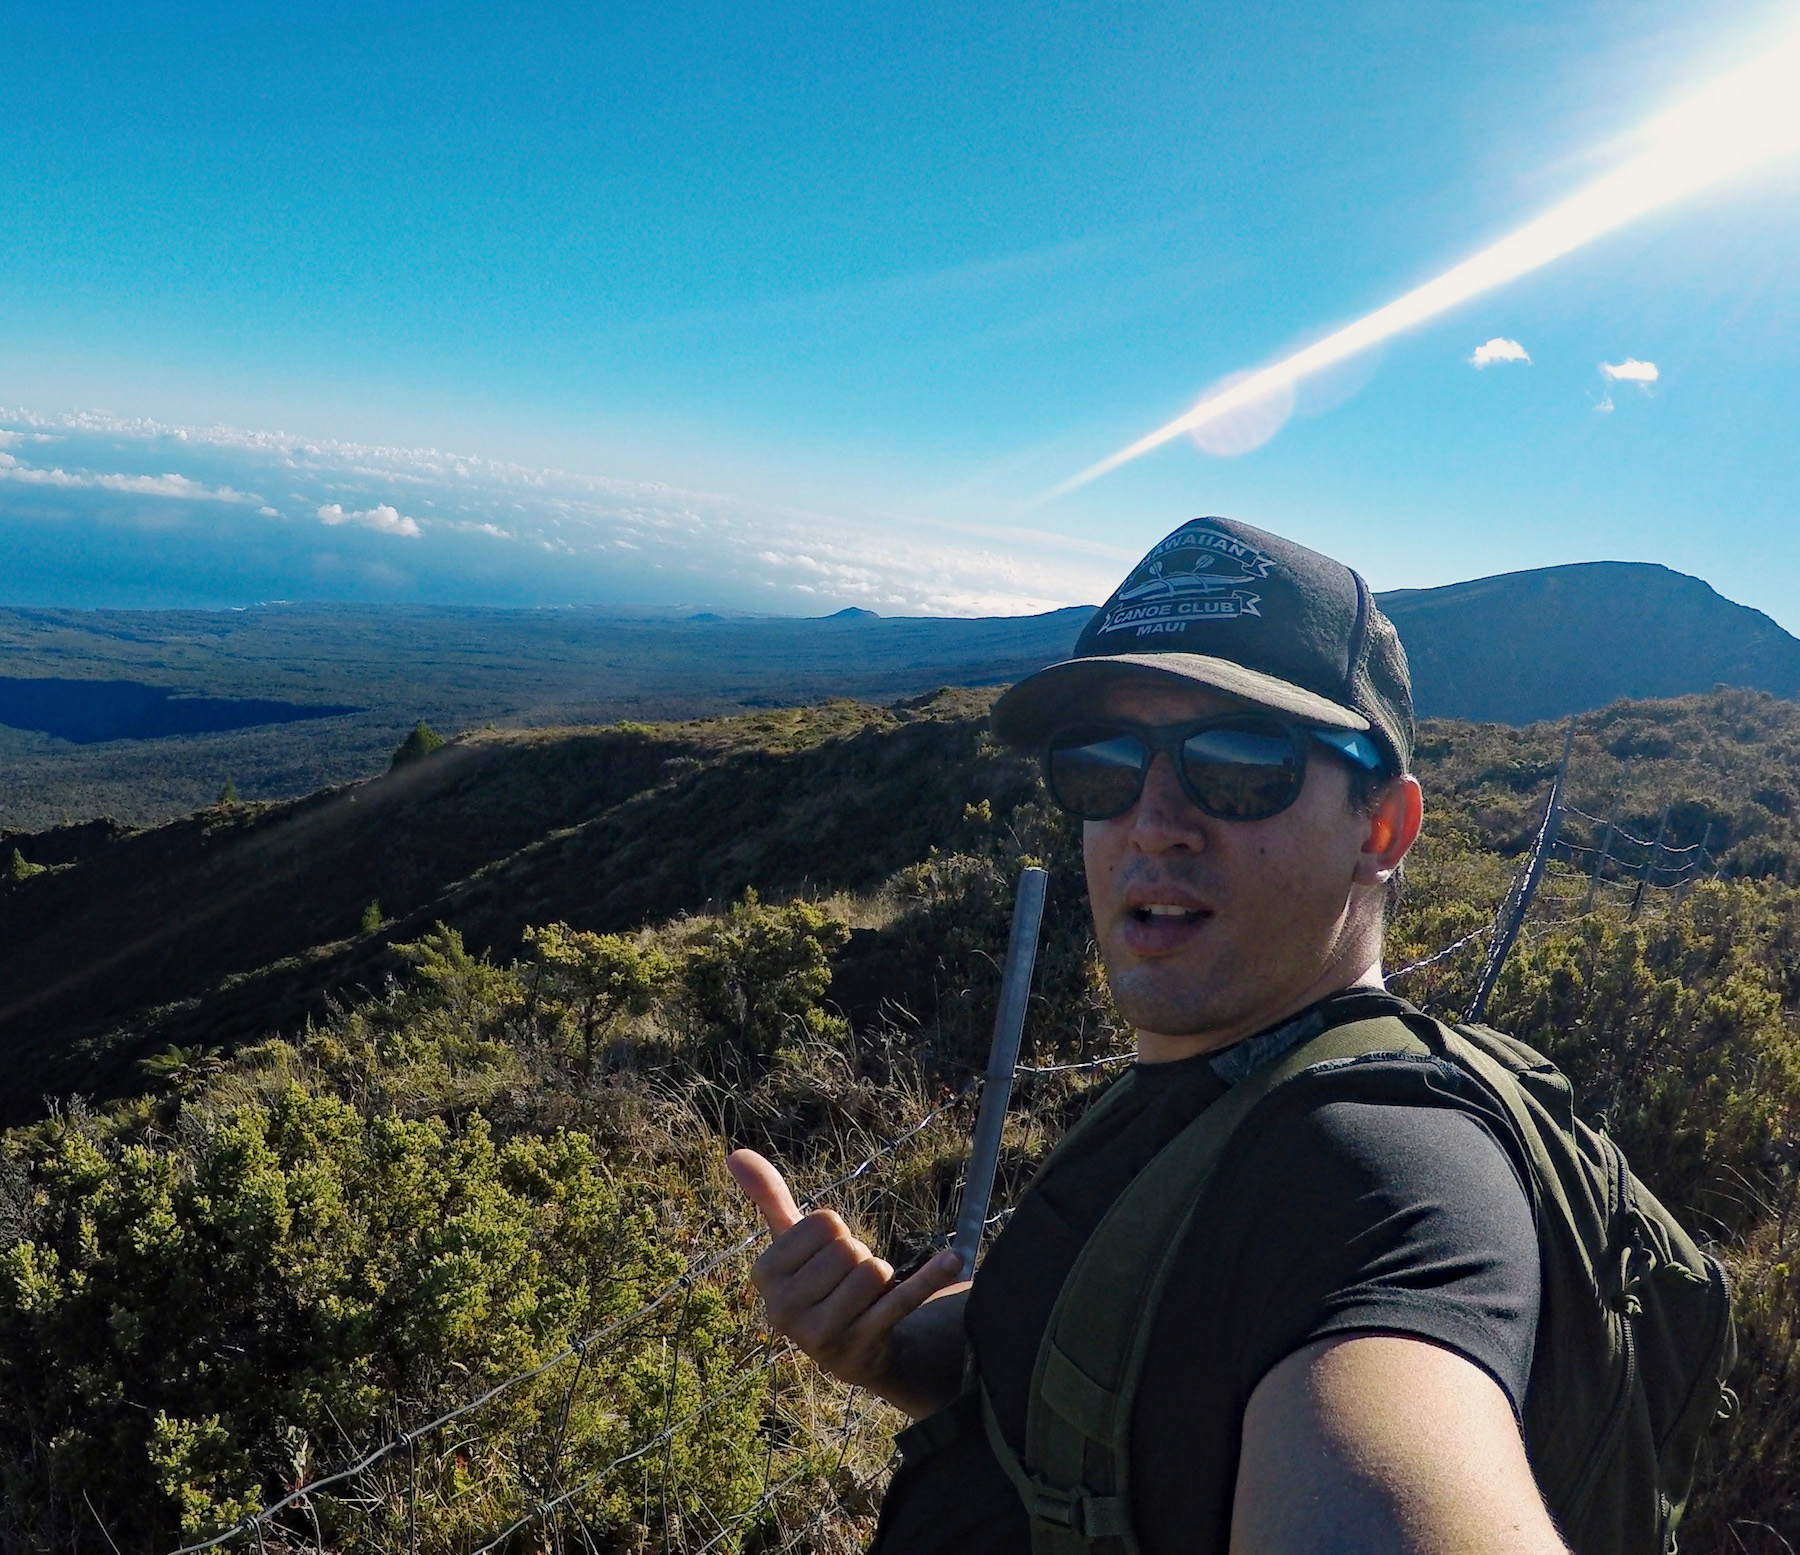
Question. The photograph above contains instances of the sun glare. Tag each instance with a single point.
(1743, 120)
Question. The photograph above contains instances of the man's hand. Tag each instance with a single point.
(841, 1304)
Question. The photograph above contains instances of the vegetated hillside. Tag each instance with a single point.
(457, 668)
(1523, 646)
(244, 919)
(252, 1268)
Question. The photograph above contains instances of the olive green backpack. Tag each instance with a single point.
(1634, 1335)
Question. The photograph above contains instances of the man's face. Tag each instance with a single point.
(1213, 929)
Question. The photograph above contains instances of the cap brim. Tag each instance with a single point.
(1064, 693)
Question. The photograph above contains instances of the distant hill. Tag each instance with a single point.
(1557, 640)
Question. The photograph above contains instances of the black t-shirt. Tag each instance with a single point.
(1345, 1216)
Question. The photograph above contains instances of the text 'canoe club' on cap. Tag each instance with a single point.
(1223, 605)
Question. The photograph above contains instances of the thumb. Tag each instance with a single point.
(767, 1188)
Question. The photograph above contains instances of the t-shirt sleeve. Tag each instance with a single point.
(1407, 1220)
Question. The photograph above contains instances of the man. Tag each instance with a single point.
(1340, 1356)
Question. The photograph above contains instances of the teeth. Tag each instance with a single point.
(1163, 910)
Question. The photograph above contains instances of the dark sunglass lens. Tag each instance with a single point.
(1242, 774)
(1097, 778)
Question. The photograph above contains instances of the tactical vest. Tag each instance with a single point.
(1634, 1333)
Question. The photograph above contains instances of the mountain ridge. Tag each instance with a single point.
(1517, 647)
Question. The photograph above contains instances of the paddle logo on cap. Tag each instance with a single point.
(1197, 574)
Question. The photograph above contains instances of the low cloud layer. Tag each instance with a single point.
(299, 518)
(12, 469)
(1499, 349)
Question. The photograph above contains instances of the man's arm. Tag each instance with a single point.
(841, 1304)
(1374, 1443)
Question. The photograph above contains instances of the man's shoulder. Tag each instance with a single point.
(1414, 1124)
(1412, 1127)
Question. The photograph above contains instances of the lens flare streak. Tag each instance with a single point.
(1742, 121)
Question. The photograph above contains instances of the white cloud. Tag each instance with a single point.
(389, 521)
(139, 485)
(1605, 406)
(1499, 349)
(715, 544)
(171, 486)
(1631, 370)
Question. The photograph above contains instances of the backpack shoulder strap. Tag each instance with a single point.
(1073, 1475)
(1114, 1093)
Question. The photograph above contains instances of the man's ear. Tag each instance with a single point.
(1394, 814)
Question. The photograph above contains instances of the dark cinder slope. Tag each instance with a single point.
(241, 920)
(1557, 640)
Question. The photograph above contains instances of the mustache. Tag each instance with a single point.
(1187, 872)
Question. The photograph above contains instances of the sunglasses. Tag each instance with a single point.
(1237, 768)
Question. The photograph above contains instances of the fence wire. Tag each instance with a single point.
(1455, 945)
(696, 1271)
(666, 1434)
(1694, 861)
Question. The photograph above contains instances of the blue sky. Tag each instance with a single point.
(789, 307)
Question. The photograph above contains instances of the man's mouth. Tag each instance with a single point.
(1162, 928)
(1161, 913)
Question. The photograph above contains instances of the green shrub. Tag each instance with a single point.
(208, 1300)
(753, 979)
(179, 1318)
(416, 746)
(590, 980)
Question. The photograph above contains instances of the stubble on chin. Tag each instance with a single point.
(1187, 1012)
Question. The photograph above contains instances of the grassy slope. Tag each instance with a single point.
(236, 921)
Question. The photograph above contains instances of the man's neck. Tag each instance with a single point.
(1154, 1047)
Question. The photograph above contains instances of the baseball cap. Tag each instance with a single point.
(1224, 605)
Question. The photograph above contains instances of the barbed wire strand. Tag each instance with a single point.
(576, 1347)
(1621, 835)
(1683, 869)
(706, 1405)
(1087, 1063)
(1448, 951)
(703, 1267)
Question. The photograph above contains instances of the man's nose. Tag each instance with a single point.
(1165, 817)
